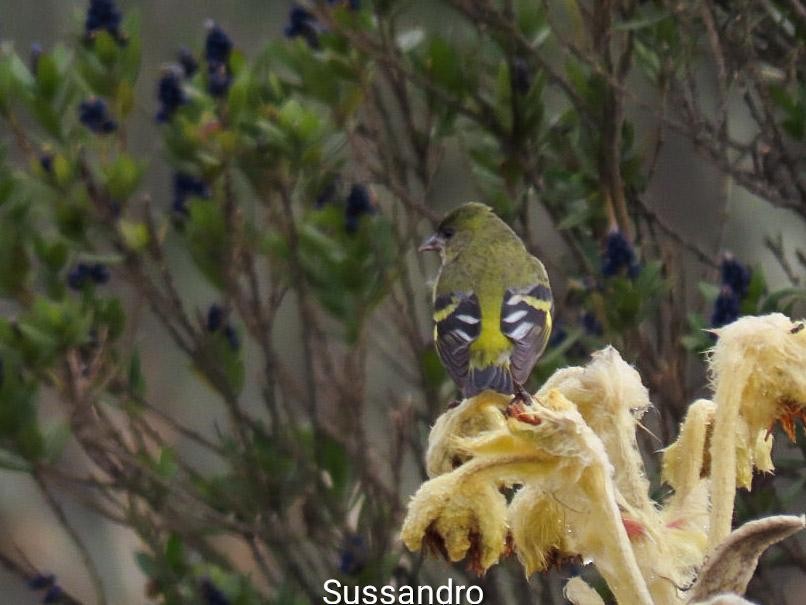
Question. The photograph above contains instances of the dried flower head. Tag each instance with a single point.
(757, 372)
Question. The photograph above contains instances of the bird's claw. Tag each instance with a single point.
(521, 395)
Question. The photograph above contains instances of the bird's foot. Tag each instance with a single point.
(521, 395)
(519, 402)
(519, 411)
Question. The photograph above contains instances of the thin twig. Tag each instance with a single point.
(78, 542)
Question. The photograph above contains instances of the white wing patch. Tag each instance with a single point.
(516, 316)
(521, 331)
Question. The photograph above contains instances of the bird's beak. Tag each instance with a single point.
(434, 242)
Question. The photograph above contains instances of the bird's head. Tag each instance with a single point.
(458, 229)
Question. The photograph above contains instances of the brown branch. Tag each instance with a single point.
(78, 542)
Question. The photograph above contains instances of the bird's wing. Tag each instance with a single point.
(526, 321)
(457, 323)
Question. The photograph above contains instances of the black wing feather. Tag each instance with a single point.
(455, 333)
(527, 326)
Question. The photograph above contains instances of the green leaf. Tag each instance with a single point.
(14, 258)
(697, 342)
(109, 312)
(135, 234)
(147, 564)
(334, 460)
(208, 239)
(531, 21)
(21, 72)
(444, 65)
(55, 440)
(137, 383)
(48, 78)
(11, 461)
(774, 302)
(228, 362)
(105, 47)
(166, 464)
(580, 212)
(709, 292)
(122, 177)
(644, 21)
(755, 291)
(175, 553)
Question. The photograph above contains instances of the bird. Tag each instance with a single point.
(492, 302)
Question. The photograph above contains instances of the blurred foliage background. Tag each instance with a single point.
(216, 368)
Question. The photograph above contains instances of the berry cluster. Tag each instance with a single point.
(188, 62)
(94, 114)
(170, 93)
(211, 594)
(735, 283)
(103, 15)
(353, 555)
(618, 256)
(217, 322)
(217, 49)
(521, 75)
(46, 161)
(303, 24)
(83, 274)
(358, 203)
(46, 582)
(185, 186)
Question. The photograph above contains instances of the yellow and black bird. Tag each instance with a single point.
(492, 302)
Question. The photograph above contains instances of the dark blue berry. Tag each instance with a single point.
(726, 308)
(217, 49)
(302, 23)
(53, 595)
(521, 75)
(94, 114)
(591, 324)
(188, 62)
(735, 274)
(41, 581)
(36, 52)
(217, 46)
(170, 94)
(103, 15)
(232, 337)
(353, 554)
(99, 273)
(218, 79)
(215, 318)
(618, 256)
(78, 276)
(211, 594)
(358, 204)
(185, 186)
(46, 162)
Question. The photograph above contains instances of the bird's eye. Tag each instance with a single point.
(448, 232)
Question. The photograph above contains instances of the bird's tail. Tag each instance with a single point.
(492, 378)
